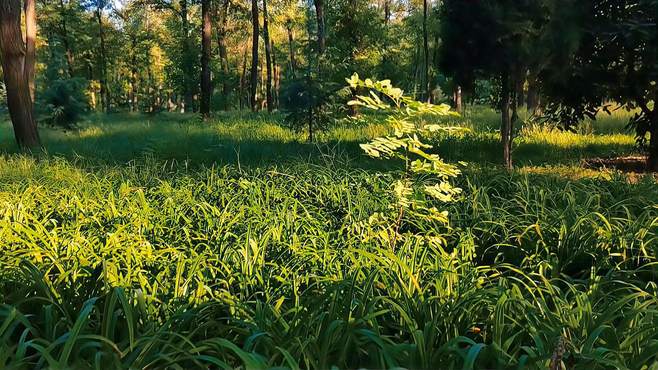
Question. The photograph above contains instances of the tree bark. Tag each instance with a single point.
(253, 96)
(533, 102)
(319, 15)
(12, 52)
(268, 57)
(30, 42)
(133, 75)
(506, 122)
(426, 52)
(223, 53)
(206, 46)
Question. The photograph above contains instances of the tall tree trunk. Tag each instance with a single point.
(188, 94)
(319, 15)
(30, 42)
(254, 56)
(105, 99)
(276, 77)
(65, 39)
(426, 52)
(268, 57)
(223, 53)
(291, 48)
(506, 122)
(133, 75)
(12, 53)
(243, 76)
(206, 48)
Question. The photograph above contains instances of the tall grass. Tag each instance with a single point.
(158, 265)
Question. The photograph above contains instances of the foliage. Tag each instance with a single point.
(65, 102)
(406, 145)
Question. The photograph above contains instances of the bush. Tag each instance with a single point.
(65, 102)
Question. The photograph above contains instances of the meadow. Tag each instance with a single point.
(161, 241)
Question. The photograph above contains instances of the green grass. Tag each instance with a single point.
(156, 245)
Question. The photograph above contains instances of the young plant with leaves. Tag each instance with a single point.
(426, 176)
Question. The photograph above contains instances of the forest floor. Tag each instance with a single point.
(161, 241)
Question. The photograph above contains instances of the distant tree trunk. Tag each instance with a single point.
(319, 14)
(30, 41)
(275, 81)
(188, 94)
(223, 53)
(65, 39)
(457, 98)
(243, 76)
(506, 121)
(268, 57)
(12, 53)
(426, 52)
(133, 75)
(533, 102)
(206, 48)
(105, 99)
(254, 56)
(291, 48)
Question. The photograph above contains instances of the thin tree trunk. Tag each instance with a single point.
(253, 92)
(268, 57)
(206, 46)
(426, 51)
(319, 15)
(223, 53)
(188, 94)
(243, 75)
(12, 53)
(275, 82)
(533, 101)
(291, 48)
(65, 39)
(30, 41)
(457, 98)
(506, 122)
(133, 76)
(105, 100)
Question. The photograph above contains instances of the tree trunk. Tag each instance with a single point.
(65, 39)
(12, 53)
(319, 15)
(188, 94)
(268, 57)
(206, 46)
(105, 99)
(291, 48)
(133, 75)
(533, 102)
(253, 97)
(223, 53)
(30, 41)
(426, 52)
(275, 81)
(457, 98)
(506, 122)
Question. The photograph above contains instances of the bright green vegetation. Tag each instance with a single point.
(129, 246)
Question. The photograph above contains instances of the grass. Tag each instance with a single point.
(120, 252)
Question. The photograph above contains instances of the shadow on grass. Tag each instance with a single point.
(256, 140)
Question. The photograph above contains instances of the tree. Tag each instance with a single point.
(223, 52)
(13, 53)
(253, 88)
(268, 56)
(206, 83)
(495, 40)
(319, 14)
(30, 43)
(611, 55)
